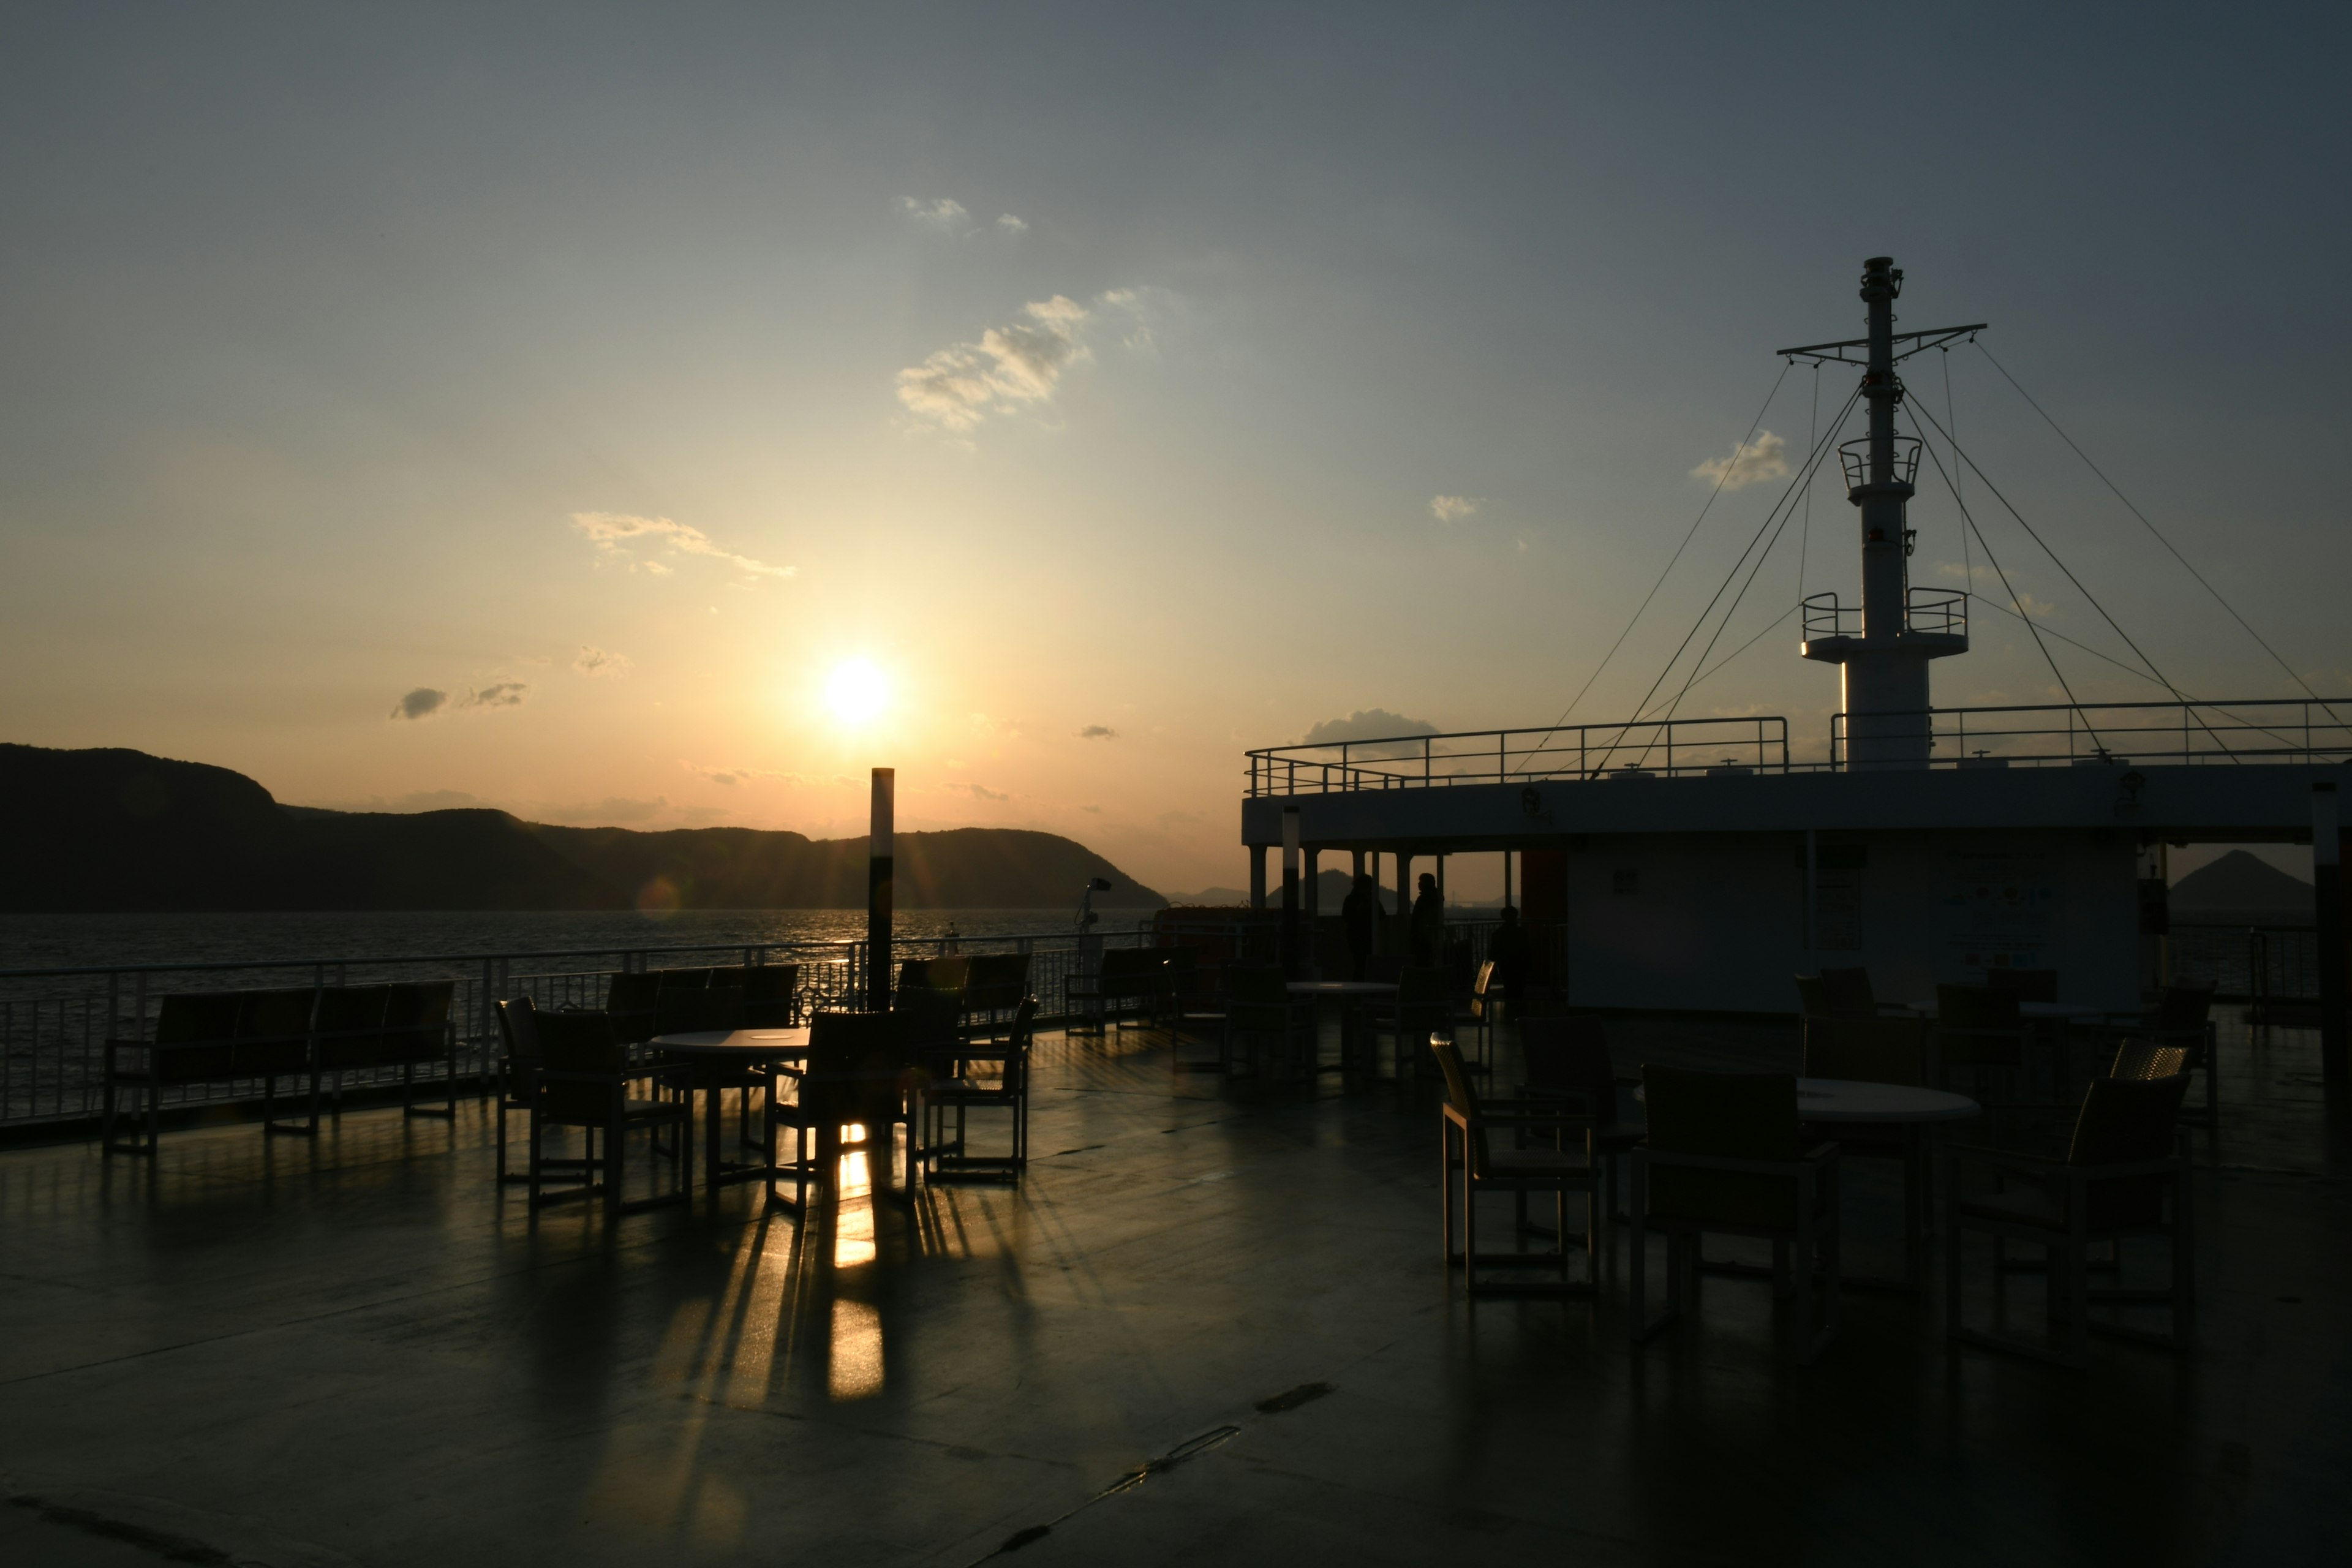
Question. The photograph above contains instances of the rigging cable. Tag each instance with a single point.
(1994, 561)
(2158, 536)
(1968, 557)
(1804, 477)
(1813, 438)
(1737, 451)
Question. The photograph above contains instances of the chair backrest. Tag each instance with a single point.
(731, 977)
(273, 1029)
(682, 979)
(199, 1027)
(1023, 1034)
(852, 1070)
(1459, 1095)
(2145, 1059)
(2183, 1008)
(687, 1009)
(1849, 992)
(1485, 978)
(1255, 984)
(1870, 1050)
(771, 995)
(995, 980)
(350, 1024)
(924, 1022)
(519, 1030)
(581, 1043)
(631, 991)
(2031, 985)
(417, 1020)
(1740, 1116)
(1813, 997)
(2126, 1120)
(1567, 1058)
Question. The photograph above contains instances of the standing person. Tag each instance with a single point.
(1360, 912)
(1507, 946)
(1428, 924)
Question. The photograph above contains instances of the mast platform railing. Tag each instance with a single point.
(1638, 749)
(1938, 612)
(2267, 730)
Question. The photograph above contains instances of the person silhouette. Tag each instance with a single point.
(1428, 924)
(1360, 912)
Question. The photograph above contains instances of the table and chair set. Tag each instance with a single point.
(1761, 1156)
(904, 1081)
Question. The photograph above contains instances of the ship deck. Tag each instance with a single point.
(365, 1352)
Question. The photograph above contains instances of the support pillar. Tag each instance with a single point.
(1404, 905)
(2328, 897)
(1290, 943)
(880, 852)
(1257, 876)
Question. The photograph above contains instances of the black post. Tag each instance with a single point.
(1291, 945)
(877, 891)
(2327, 898)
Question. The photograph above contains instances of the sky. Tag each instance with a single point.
(659, 415)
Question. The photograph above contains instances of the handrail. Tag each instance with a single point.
(2254, 730)
(1639, 748)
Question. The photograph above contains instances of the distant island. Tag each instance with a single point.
(120, 831)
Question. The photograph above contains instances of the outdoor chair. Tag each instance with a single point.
(771, 998)
(2182, 1016)
(1569, 1067)
(1193, 1007)
(2146, 1060)
(1979, 1031)
(2125, 1177)
(994, 985)
(1549, 1150)
(1258, 1002)
(1475, 1012)
(1125, 984)
(1881, 1050)
(274, 1040)
(947, 1156)
(1813, 997)
(1725, 1155)
(940, 974)
(583, 1080)
(850, 1093)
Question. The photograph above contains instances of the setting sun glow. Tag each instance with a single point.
(856, 692)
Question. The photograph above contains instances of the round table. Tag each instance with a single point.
(1352, 994)
(1342, 988)
(706, 1050)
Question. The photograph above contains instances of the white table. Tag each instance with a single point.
(708, 1050)
(1845, 1100)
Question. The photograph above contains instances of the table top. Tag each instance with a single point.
(1851, 1099)
(2049, 1010)
(1342, 988)
(756, 1044)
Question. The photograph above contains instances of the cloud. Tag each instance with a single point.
(612, 811)
(944, 213)
(1451, 508)
(1763, 459)
(412, 803)
(500, 694)
(982, 792)
(596, 661)
(1098, 733)
(1368, 724)
(1096, 809)
(608, 530)
(421, 703)
(1011, 225)
(739, 776)
(963, 384)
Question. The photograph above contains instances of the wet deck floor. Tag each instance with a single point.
(365, 1352)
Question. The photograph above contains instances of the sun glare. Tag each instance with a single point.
(856, 692)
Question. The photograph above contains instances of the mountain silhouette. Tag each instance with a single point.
(120, 830)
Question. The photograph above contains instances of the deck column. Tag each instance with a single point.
(1257, 875)
(2327, 900)
(1404, 905)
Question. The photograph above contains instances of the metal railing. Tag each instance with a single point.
(2273, 968)
(1637, 749)
(1854, 456)
(1939, 612)
(2268, 729)
(54, 1021)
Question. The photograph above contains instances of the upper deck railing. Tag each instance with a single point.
(2166, 733)
(1940, 612)
(1642, 749)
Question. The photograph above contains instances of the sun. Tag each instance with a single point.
(856, 692)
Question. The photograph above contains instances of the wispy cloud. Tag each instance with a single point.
(592, 660)
(421, 703)
(1450, 509)
(609, 530)
(1367, 724)
(1098, 733)
(1010, 367)
(943, 213)
(739, 775)
(982, 792)
(1763, 459)
(499, 694)
(1011, 225)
